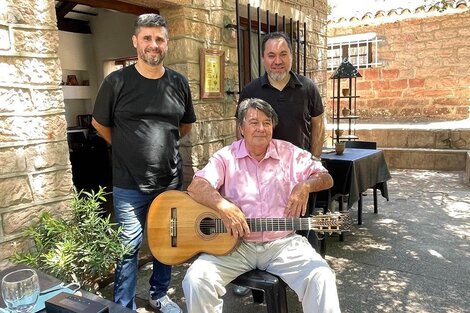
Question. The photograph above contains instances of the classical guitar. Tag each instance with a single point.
(178, 227)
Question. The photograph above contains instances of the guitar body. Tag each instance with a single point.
(174, 229)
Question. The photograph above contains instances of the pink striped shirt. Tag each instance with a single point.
(260, 189)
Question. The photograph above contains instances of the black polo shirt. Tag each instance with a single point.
(295, 106)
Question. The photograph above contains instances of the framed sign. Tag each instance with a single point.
(212, 73)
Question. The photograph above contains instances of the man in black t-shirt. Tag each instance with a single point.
(143, 110)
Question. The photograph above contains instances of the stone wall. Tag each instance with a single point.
(425, 73)
(35, 174)
(202, 25)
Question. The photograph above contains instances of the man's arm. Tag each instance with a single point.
(232, 217)
(185, 129)
(297, 203)
(317, 134)
(104, 131)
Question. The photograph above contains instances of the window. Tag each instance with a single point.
(112, 65)
(253, 25)
(361, 50)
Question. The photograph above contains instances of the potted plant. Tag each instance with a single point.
(83, 248)
(339, 147)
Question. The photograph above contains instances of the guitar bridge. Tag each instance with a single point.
(173, 227)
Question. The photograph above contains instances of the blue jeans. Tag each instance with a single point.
(130, 209)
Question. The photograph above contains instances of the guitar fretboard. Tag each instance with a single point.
(320, 223)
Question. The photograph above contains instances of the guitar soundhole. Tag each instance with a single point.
(207, 226)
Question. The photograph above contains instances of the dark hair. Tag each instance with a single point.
(150, 20)
(275, 35)
(258, 104)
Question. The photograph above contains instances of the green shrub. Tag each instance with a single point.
(84, 248)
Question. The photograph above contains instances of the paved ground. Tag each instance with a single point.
(413, 256)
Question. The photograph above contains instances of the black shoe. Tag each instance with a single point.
(241, 291)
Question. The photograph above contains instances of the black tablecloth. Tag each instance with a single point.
(355, 171)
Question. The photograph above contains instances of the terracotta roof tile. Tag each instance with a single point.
(366, 15)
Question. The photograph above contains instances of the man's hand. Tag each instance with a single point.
(234, 220)
(297, 203)
(231, 215)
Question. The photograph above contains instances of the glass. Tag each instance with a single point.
(20, 290)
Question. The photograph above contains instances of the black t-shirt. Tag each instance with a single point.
(145, 115)
(295, 105)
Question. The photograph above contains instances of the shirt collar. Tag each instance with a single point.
(293, 80)
(272, 152)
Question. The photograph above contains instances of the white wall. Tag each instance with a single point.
(112, 37)
(83, 55)
(77, 58)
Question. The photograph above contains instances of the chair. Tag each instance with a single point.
(364, 145)
(265, 285)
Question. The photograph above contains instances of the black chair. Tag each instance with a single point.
(364, 145)
(265, 286)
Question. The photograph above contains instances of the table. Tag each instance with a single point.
(47, 281)
(355, 171)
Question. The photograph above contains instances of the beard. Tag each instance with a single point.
(153, 60)
(278, 76)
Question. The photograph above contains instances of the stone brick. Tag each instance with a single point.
(32, 70)
(390, 73)
(47, 155)
(9, 248)
(371, 74)
(420, 139)
(389, 93)
(36, 41)
(363, 85)
(210, 110)
(436, 112)
(184, 50)
(18, 220)
(416, 82)
(30, 11)
(52, 184)
(19, 128)
(399, 84)
(15, 190)
(5, 43)
(15, 100)
(13, 160)
(380, 84)
(48, 99)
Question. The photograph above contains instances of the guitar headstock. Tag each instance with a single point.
(332, 222)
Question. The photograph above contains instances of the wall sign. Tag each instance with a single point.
(212, 73)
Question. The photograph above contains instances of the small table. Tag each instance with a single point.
(355, 171)
(47, 281)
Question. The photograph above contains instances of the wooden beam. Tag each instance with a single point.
(64, 8)
(115, 5)
(74, 26)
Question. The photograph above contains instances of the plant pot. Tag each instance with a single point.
(346, 111)
(339, 147)
(345, 92)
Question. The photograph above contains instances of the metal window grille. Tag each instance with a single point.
(252, 25)
(361, 50)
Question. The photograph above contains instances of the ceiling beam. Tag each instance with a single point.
(64, 8)
(115, 5)
(74, 26)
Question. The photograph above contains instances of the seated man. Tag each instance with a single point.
(254, 177)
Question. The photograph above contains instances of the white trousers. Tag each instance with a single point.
(291, 258)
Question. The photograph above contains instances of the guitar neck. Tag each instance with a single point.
(319, 223)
